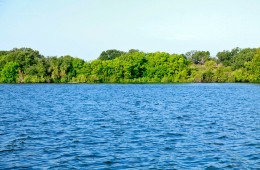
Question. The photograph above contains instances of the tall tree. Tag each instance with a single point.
(198, 57)
(110, 54)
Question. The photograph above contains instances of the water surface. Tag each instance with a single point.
(110, 126)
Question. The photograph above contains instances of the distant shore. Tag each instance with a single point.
(26, 65)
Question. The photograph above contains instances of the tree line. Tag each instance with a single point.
(25, 65)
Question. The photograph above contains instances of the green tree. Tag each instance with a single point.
(25, 65)
(54, 69)
(198, 57)
(227, 57)
(243, 56)
(253, 68)
(9, 73)
(110, 54)
(24, 57)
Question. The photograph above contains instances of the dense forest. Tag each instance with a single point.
(25, 65)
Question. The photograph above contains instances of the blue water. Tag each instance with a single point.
(173, 126)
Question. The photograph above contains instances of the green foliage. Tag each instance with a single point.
(25, 65)
(236, 58)
(9, 73)
(253, 68)
(24, 57)
(244, 55)
(198, 57)
(110, 54)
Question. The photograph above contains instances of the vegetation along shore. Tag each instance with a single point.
(25, 65)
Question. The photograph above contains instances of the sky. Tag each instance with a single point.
(85, 28)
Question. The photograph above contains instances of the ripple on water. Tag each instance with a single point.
(175, 126)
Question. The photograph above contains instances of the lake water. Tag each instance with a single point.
(113, 126)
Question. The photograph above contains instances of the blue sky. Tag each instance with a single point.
(84, 28)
